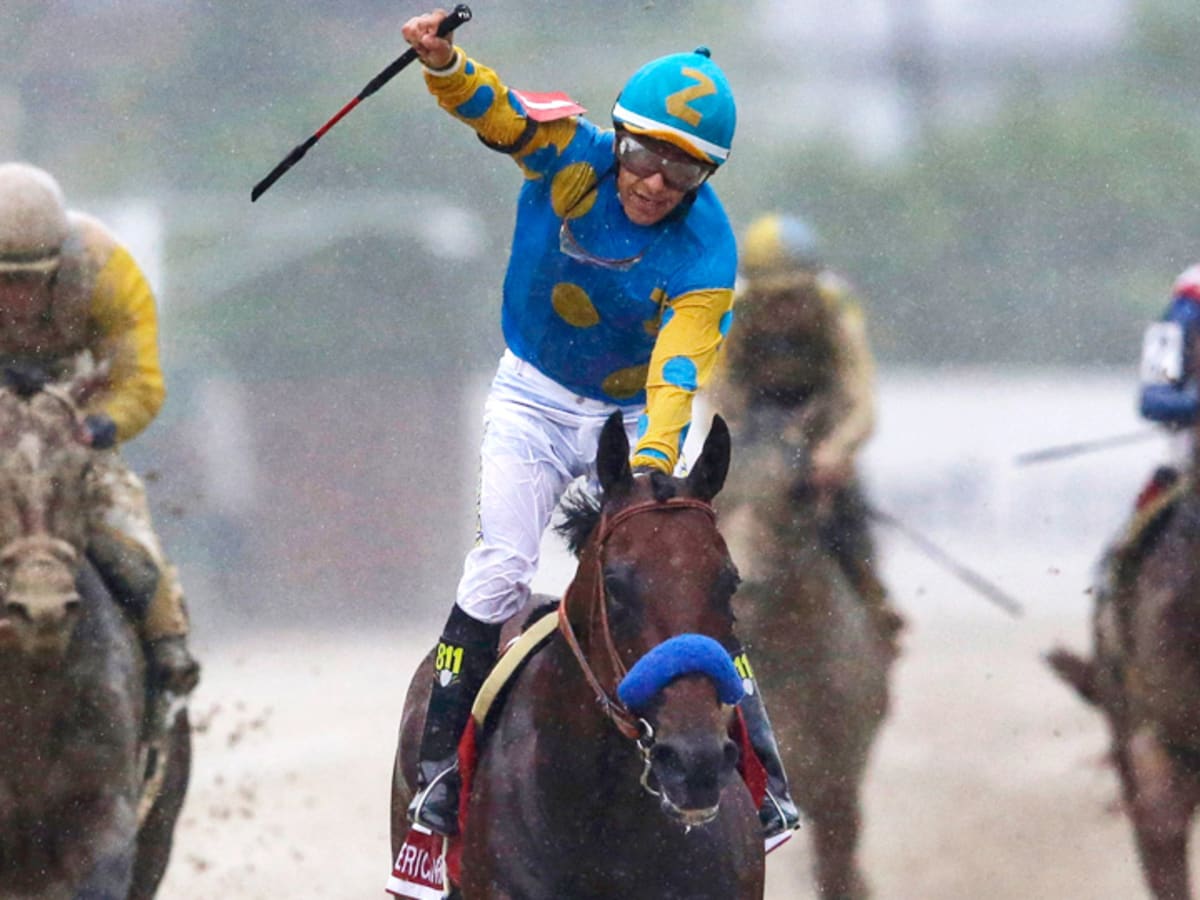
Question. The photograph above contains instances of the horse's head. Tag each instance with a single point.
(41, 604)
(44, 501)
(651, 611)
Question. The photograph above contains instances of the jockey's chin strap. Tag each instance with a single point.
(630, 725)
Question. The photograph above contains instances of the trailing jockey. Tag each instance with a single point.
(618, 297)
(798, 368)
(1168, 395)
(1168, 377)
(68, 286)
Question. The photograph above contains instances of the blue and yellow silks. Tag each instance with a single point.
(649, 334)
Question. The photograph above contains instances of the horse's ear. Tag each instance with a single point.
(612, 458)
(707, 476)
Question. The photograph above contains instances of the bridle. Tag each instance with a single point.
(628, 724)
(35, 507)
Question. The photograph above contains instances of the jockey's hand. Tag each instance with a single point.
(421, 32)
(99, 431)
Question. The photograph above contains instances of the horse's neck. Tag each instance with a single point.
(33, 706)
(97, 668)
(565, 696)
(803, 565)
(1161, 591)
(552, 716)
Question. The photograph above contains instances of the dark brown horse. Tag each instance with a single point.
(73, 764)
(1144, 677)
(817, 651)
(578, 794)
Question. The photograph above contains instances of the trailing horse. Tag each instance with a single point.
(1144, 678)
(609, 769)
(73, 762)
(820, 654)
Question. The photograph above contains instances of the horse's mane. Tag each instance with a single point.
(580, 515)
(581, 509)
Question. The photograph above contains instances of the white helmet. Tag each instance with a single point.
(33, 219)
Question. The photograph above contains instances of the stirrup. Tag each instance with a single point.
(779, 819)
(431, 816)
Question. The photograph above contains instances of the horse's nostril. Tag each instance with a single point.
(72, 604)
(730, 756)
(666, 758)
(19, 611)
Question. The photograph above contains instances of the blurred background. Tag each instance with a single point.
(1010, 184)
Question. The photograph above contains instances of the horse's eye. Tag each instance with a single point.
(619, 590)
(725, 587)
(728, 582)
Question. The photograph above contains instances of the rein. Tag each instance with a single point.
(631, 726)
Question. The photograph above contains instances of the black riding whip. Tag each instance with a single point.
(459, 15)
(1064, 451)
(933, 551)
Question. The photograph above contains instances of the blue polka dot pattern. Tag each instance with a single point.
(668, 315)
(542, 159)
(642, 425)
(480, 102)
(470, 67)
(683, 435)
(681, 372)
(726, 321)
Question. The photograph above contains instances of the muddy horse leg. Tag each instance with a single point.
(157, 833)
(836, 822)
(1162, 801)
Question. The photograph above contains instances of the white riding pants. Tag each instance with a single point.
(538, 437)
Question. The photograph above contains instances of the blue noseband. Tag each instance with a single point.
(683, 654)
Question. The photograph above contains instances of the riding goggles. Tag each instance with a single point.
(644, 161)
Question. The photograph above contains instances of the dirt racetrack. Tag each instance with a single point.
(988, 782)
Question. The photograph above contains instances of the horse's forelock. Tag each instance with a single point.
(581, 515)
(663, 486)
(581, 509)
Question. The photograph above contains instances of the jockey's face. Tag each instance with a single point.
(647, 201)
(24, 296)
(646, 194)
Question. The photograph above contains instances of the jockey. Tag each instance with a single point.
(1167, 395)
(1169, 392)
(800, 353)
(617, 297)
(67, 286)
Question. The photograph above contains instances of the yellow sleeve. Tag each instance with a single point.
(683, 360)
(126, 321)
(474, 94)
(856, 384)
(725, 396)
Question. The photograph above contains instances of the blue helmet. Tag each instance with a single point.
(683, 98)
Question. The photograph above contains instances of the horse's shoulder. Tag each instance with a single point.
(540, 626)
(1143, 535)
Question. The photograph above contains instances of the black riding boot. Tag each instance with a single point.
(465, 655)
(778, 812)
